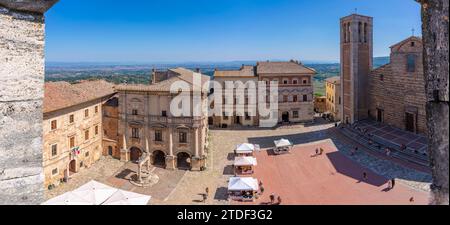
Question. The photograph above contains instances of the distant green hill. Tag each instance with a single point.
(140, 74)
(325, 71)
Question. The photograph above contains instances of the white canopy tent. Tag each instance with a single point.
(246, 148)
(245, 161)
(68, 198)
(127, 198)
(95, 192)
(283, 143)
(243, 184)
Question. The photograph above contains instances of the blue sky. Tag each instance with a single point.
(216, 30)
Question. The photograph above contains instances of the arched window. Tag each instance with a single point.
(360, 32)
(365, 32)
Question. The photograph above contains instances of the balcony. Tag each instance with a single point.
(175, 120)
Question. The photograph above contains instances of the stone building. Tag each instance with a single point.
(146, 123)
(397, 90)
(295, 91)
(22, 40)
(244, 75)
(110, 125)
(333, 97)
(320, 104)
(356, 64)
(72, 127)
(393, 94)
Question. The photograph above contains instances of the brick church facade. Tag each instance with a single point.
(393, 94)
(397, 89)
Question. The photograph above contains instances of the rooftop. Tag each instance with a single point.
(283, 68)
(165, 85)
(412, 38)
(60, 95)
(334, 80)
(245, 71)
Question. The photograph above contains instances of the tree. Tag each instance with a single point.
(436, 62)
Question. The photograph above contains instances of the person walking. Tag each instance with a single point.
(279, 200)
(205, 197)
(393, 183)
(207, 191)
(272, 198)
(365, 176)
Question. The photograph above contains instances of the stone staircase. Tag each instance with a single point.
(379, 145)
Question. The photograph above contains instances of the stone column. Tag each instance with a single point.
(22, 40)
(196, 161)
(170, 159)
(124, 150)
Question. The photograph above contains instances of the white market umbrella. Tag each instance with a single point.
(95, 192)
(243, 184)
(245, 161)
(245, 148)
(127, 198)
(283, 143)
(68, 198)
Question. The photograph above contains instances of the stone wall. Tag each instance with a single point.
(396, 91)
(90, 150)
(21, 95)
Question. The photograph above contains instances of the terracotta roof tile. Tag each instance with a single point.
(283, 67)
(245, 71)
(60, 95)
(165, 85)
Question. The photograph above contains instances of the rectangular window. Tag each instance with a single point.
(295, 98)
(305, 98)
(295, 81)
(285, 98)
(96, 130)
(183, 137)
(285, 82)
(86, 135)
(71, 118)
(135, 132)
(305, 81)
(295, 114)
(86, 154)
(72, 142)
(86, 113)
(411, 64)
(96, 109)
(54, 124)
(54, 150)
(164, 113)
(134, 112)
(158, 135)
(381, 77)
(55, 171)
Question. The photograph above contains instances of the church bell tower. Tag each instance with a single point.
(356, 64)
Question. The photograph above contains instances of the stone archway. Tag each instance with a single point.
(285, 117)
(183, 161)
(72, 167)
(158, 159)
(135, 154)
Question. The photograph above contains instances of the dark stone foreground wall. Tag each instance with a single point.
(21, 94)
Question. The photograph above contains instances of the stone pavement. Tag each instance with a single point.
(186, 187)
(99, 171)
